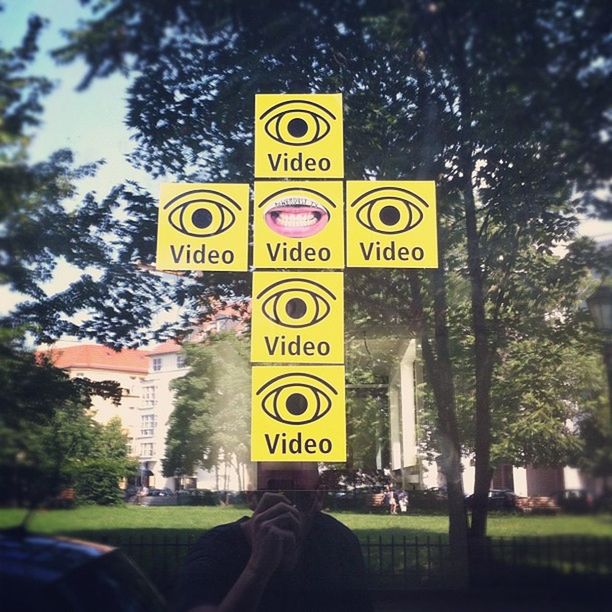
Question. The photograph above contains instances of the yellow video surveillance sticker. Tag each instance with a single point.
(297, 318)
(203, 226)
(298, 136)
(391, 224)
(298, 224)
(298, 413)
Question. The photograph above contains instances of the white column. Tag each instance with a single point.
(519, 477)
(571, 478)
(408, 404)
(394, 423)
(468, 475)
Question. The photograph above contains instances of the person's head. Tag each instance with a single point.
(298, 481)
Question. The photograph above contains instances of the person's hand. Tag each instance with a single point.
(273, 533)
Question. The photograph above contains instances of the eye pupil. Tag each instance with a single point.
(296, 308)
(201, 218)
(297, 127)
(296, 404)
(389, 215)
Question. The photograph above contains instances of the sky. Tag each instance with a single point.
(91, 123)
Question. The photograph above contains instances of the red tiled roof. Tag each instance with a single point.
(98, 357)
(169, 346)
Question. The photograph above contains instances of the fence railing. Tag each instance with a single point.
(408, 563)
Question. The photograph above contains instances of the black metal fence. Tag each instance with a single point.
(563, 562)
(406, 563)
(417, 563)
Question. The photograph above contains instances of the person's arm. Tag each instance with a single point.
(272, 533)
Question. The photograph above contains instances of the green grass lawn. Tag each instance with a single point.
(183, 520)
(158, 538)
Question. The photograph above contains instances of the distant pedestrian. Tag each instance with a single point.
(390, 500)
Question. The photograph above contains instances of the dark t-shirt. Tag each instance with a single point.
(330, 576)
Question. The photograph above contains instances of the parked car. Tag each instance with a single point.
(159, 497)
(578, 501)
(197, 497)
(434, 499)
(498, 499)
(604, 502)
(66, 575)
(161, 492)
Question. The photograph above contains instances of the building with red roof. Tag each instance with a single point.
(98, 357)
(127, 367)
(145, 377)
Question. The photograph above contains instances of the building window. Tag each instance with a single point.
(157, 363)
(146, 449)
(147, 424)
(180, 360)
(149, 396)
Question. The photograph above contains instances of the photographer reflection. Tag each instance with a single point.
(288, 557)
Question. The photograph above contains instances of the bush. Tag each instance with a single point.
(98, 483)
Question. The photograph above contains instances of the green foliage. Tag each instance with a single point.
(20, 100)
(211, 419)
(97, 481)
(546, 372)
(98, 460)
(367, 411)
(36, 227)
(49, 439)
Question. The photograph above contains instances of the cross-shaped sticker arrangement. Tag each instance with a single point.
(308, 225)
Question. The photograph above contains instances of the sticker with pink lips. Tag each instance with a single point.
(298, 224)
(296, 217)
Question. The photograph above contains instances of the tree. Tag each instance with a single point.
(482, 65)
(36, 228)
(48, 434)
(211, 420)
(97, 472)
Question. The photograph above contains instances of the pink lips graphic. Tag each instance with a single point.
(296, 217)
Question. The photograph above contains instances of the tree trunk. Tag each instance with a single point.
(483, 372)
(482, 351)
(439, 372)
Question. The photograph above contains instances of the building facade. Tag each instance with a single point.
(147, 401)
(128, 368)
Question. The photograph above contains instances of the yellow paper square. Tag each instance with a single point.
(298, 225)
(298, 136)
(391, 224)
(298, 413)
(297, 317)
(203, 226)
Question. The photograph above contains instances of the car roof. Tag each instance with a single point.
(45, 558)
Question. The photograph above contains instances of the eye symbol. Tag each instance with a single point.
(202, 212)
(295, 302)
(296, 399)
(297, 122)
(389, 210)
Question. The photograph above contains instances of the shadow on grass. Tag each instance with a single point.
(419, 562)
(406, 552)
